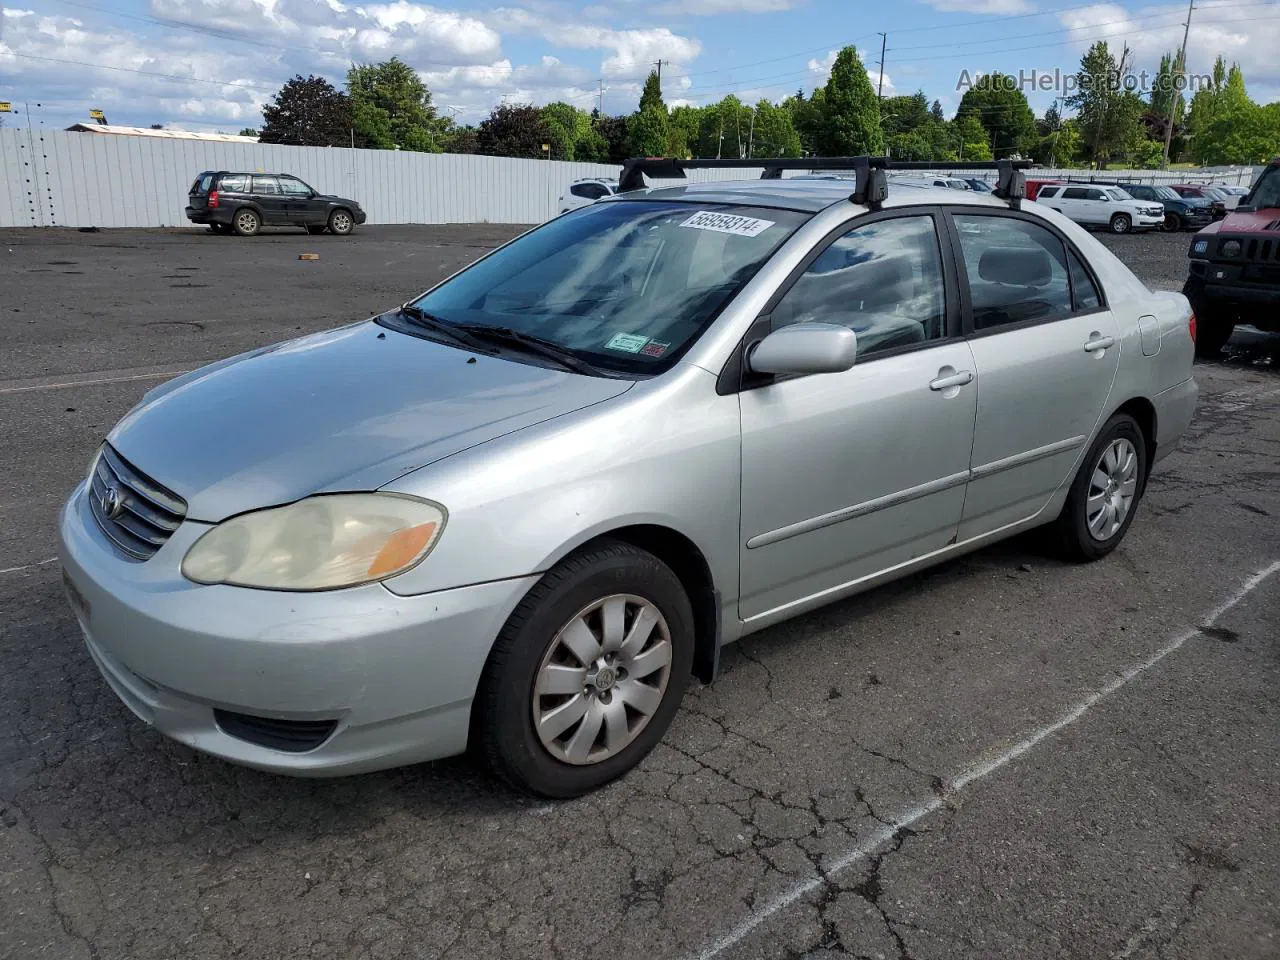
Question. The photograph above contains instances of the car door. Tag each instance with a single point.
(847, 474)
(300, 208)
(265, 191)
(1046, 349)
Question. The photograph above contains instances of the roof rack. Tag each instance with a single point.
(871, 185)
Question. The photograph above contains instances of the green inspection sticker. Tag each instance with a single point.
(627, 342)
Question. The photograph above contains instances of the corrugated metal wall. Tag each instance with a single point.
(56, 178)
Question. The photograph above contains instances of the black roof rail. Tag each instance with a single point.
(871, 185)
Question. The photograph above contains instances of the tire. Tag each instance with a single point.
(1121, 223)
(247, 222)
(1213, 330)
(341, 222)
(314, 229)
(1172, 223)
(534, 648)
(1090, 530)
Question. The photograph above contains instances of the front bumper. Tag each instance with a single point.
(361, 216)
(396, 675)
(1225, 285)
(1147, 221)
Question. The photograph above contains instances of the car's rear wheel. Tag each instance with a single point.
(341, 222)
(1121, 223)
(246, 222)
(1172, 223)
(587, 673)
(1104, 496)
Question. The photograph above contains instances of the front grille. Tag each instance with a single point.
(1266, 251)
(291, 736)
(136, 513)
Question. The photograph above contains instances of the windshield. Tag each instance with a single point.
(1115, 193)
(1267, 191)
(1167, 193)
(626, 285)
(1212, 194)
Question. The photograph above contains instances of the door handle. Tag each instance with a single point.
(954, 380)
(1099, 343)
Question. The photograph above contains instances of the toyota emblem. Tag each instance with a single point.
(111, 503)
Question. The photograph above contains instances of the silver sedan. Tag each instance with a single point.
(522, 510)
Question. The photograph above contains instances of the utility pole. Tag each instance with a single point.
(884, 38)
(602, 96)
(1178, 70)
(751, 133)
(658, 64)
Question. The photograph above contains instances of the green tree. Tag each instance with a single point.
(651, 95)
(806, 117)
(936, 111)
(1003, 111)
(1227, 127)
(248, 132)
(308, 112)
(391, 107)
(774, 134)
(1109, 116)
(512, 130)
(617, 139)
(971, 136)
(685, 126)
(850, 111)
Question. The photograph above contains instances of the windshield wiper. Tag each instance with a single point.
(509, 336)
(430, 321)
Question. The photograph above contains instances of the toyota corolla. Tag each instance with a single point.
(522, 510)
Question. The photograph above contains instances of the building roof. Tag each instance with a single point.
(163, 134)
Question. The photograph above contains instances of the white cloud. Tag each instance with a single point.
(981, 6)
(711, 8)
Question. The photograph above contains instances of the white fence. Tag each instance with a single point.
(55, 178)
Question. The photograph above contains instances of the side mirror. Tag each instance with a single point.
(804, 348)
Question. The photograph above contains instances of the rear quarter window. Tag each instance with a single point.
(234, 183)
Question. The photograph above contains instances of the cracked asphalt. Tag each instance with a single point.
(1005, 756)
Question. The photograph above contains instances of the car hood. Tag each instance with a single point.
(1252, 221)
(331, 198)
(348, 409)
(1195, 203)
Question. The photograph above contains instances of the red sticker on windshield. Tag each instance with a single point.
(654, 349)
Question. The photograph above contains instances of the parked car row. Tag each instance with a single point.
(1183, 206)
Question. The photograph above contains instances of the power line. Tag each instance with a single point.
(252, 85)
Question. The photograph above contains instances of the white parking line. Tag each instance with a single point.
(29, 566)
(972, 774)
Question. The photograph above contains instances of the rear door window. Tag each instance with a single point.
(1017, 271)
(1075, 193)
(266, 186)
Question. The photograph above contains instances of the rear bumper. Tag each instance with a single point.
(1174, 409)
(217, 215)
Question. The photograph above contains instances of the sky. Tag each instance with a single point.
(211, 64)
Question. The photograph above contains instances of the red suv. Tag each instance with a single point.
(1235, 267)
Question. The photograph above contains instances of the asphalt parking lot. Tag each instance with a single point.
(1003, 757)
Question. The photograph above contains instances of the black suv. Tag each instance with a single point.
(245, 202)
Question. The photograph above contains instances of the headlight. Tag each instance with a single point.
(1200, 246)
(320, 543)
(1231, 248)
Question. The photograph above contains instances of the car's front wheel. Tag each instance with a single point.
(341, 222)
(1121, 223)
(1105, 493)
(1172, 223)
(587, 673)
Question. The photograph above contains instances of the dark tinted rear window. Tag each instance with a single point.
(201, 184)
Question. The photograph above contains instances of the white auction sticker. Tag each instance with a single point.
(728, 223)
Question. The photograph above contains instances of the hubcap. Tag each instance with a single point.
(1111, 489)
(602, 679)
(342, 223)
(247, 222)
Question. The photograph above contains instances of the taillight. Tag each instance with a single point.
(213, 198)
(1191, 327)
